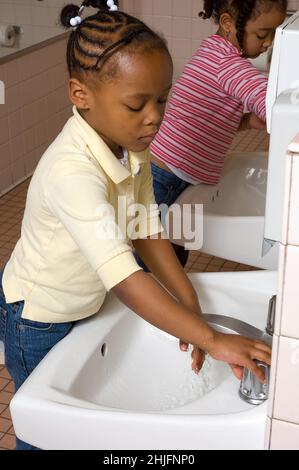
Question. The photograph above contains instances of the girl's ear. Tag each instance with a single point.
(79, 94)
(227, 24)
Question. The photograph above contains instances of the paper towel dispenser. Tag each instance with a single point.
(282, 123)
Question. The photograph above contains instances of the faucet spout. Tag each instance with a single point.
(251, 390)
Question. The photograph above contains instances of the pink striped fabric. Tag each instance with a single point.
(206, 108)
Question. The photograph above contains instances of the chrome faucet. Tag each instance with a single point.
(251, 389)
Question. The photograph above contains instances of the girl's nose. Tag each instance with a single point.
(154, 117)
(268, 42)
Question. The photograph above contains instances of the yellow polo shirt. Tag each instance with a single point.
(71, 251)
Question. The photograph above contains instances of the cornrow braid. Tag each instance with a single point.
(244, 14)
(98, 37)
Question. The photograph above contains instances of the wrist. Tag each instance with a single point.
(208, 340)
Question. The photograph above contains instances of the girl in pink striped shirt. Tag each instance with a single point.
(207, 105)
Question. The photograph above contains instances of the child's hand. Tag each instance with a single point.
(197, 355)
(254, 122)
(251, 121)
(240, 352)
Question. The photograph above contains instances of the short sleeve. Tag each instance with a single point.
(77, 195)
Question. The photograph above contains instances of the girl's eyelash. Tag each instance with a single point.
(261, 37)
(136, 110)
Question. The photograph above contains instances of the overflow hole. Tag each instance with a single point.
(104, 349)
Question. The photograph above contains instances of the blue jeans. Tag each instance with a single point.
(26, 343)
(167, 188)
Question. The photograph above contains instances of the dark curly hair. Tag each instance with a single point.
(95, 40)
(243, 11)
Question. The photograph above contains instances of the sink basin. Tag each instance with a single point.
(116, 382)
(234, 211)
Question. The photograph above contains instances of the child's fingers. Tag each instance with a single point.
(261, 355)
(184, 346)
(198, 358)
(257, 371)
(262, 346)
(237, 371)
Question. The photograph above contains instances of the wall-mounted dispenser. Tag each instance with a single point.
(282, 123)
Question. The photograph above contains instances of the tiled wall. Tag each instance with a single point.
(293, 4)
(283, 410)
(36, 98)
(36, 107)
(38, 19)
(178, 21)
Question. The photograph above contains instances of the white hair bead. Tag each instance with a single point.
(113, 8)
(73, 22)
(110, 3)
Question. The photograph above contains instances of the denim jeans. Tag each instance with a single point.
(167, 188)
(26, 343)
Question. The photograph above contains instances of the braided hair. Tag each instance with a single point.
(97, 38)
(243, 11)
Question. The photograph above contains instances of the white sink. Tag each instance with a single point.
(234, 211)
(116, 382)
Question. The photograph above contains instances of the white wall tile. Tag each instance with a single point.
(273, 375)
(289, 306)
(284, 436)
(287, 381)
(293, 227)
(282, 249)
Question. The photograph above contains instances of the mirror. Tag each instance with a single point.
(25, 23)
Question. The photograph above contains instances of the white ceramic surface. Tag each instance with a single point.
(116, 382)
(233, 213)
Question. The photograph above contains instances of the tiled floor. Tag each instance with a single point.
(12, 207)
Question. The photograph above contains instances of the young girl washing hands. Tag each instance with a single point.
(70, 252)
(207, 104)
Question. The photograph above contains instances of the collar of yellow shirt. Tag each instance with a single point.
(102, 153)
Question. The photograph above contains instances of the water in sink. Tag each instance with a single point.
(144, 371)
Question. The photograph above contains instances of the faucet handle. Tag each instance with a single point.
(251, 389)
